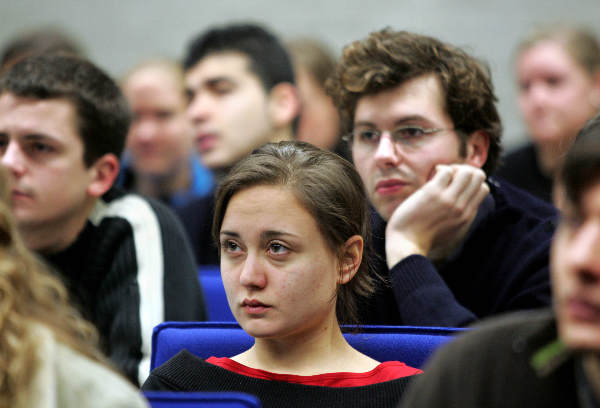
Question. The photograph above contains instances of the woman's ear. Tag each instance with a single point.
(351, 258)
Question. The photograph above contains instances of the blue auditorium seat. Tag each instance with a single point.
(409, 344)
(162, 399)
(214, 294)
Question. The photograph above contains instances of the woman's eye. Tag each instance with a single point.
(229, 246)
(277, 249)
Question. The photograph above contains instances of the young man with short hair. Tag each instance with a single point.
(240, 84)
(424, 132)
(124, 259)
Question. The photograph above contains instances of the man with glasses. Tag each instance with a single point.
(424, 132)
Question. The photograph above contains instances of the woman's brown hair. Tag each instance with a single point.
(331, 191)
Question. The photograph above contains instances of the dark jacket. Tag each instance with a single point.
(507, 362)
(501, 266)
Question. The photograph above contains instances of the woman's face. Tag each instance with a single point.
(556, 94)
(278, 271)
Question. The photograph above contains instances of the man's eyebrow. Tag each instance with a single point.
(398, 122)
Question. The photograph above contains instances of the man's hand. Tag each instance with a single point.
(438, 215)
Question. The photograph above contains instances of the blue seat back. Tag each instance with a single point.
(217, 307)
(161, 399)
(412, 345)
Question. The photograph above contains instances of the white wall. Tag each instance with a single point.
(118, 33)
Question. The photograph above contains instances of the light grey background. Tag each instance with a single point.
(118, 33)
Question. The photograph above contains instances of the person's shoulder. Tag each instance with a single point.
(502, 331)
(519, 154)
(75, 380)
(510, 197)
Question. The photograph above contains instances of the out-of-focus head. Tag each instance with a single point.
(312, 189)
(41, 41)
(241, 93)
(319, 121)
(386, 59)
(558, 74)
(31, 295)
(575, 257)
(63, 124)
(160, 136)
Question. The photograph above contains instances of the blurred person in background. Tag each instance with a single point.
(241, 94)
(546, 358)
(124, 258)
(558, 75)
(50, 355)
(319, 123)
(160, 160)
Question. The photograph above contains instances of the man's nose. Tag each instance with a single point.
(13, 159)
(386, 153)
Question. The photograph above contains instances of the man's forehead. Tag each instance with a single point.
(225, 64)
(29, 113)
(419, 97)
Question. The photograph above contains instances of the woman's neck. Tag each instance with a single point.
(316, 352)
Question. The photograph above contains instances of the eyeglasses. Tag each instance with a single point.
(404, 135)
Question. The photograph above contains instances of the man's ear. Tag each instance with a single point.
(104, 173)
(478, 145)
(284, 104)
(351, 258)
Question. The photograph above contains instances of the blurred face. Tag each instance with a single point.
(229, 109)
(575, 266)
(160, 136)
(319, 122)
(555, 93)
(279, 274)
(41, 148)
(391, 171)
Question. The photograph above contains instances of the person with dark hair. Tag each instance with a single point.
(558, 74)
(160, 161)
(424, 132)
(548, 358)
(124, 259)
(240, 85)
(292, 222)
(43, 339)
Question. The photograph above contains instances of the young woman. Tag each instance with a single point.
(558, 73)
(292, 224)
(48, 353)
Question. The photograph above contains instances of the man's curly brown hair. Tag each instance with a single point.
(387, 58)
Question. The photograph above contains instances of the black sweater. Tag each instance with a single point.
(186, 372)
(130, 269)
(501, 266)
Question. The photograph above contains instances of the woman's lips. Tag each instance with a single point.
(254, 307)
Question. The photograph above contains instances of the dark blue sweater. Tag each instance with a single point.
(501, 266)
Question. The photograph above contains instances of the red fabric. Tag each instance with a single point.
(389, 370)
